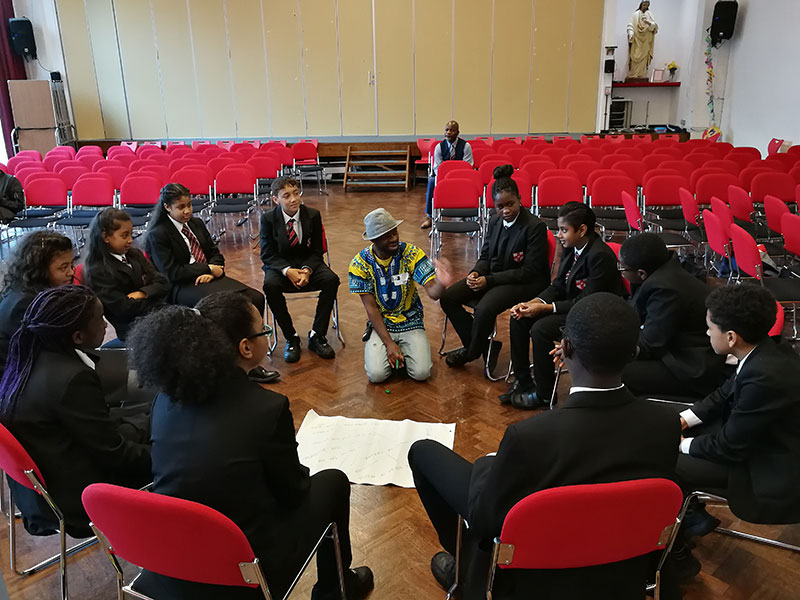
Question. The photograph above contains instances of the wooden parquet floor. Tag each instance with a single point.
(389, 528)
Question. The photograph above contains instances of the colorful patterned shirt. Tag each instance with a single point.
(393, 283)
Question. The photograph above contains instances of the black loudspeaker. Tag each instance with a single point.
(609, 66)
(20, 33)
(723, 21)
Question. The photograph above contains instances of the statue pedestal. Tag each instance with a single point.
(636, 80)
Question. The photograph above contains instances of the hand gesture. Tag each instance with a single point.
(137, 295)
(558, 355)
(295, 276)
(395, 356)
(444, 272)
(477, 283)
(207, 278)
(216, 271)
(304, 277)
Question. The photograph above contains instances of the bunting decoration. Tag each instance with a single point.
(710, 81)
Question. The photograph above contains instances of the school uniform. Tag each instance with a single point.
(750, 449)
(296, 242)
(119, 275)
(584, 271)
(13, 305)
(595, 436)
(675, 357)
(171, 252)
(514, 261)
(63, 422)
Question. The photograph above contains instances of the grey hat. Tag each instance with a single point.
(378, 222)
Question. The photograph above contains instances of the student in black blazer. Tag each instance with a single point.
(292, 245)
(124, 280)
(226, 442)
(743, 440)
(52, 401)
(674, 357)
(600, 434)
(512, 267)
(587, 266)
(41, 260)
(181, 248)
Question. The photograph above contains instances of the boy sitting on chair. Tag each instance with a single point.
(291, 250)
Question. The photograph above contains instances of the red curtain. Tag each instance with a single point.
(11, 67)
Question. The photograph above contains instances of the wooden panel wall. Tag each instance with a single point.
(327, 68)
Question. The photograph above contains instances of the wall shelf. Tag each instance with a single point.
(645, 84)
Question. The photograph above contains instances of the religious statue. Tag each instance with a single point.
(641, 34)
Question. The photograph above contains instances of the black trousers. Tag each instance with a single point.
(328, 500)
(322, 279)
(652, 378)
(475, 328)
(544, 331)
(189, 294)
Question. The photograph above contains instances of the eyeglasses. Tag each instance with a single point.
(265, 331)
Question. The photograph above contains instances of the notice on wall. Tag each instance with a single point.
(370, 451)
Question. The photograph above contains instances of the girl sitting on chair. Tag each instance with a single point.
(221, 440)
(181, 248)
(42, 259)
(119, 273)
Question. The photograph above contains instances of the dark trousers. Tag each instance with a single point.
(652, 378)
(189, 294)
(322, 279)
(429, 196)
(475, 328)
(544, 331)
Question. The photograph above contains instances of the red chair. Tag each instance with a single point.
(132, 145)
(790, 227)
(684, 167)
(516, 154)
(45, 196)
(555, 153)
(729, 166)
(139, 193)
(220, 162)
(780, 318)
(488, 140)
(564, 141)
(487, 169)
(536, 158)
(52, 159)
(780, 185)
(532, 143)
(178, 151)
(662, 191)
(196, 181)
(225, 144)
(534, 169)
(778, 162)
(242, 148)
(653, 161)
(774, 209)
(71, 174)
(452, 165)
(748, 174)
(160, 172)
(139, 163)
(90, 149)
(774, 145)
(609, 160)
(89, 159)
(214, 151)
(305, 159)
(698, 144)
(698, 173)
(795, 174)
(265, 167)
(65, 150)
(690, 208)
(555, 191)
(117, 174)
(699, 159)
(459, 195)
(659, 172)
(743, 160)
(147, 150)
(26, 169)
(597, 173)
(150, 531)
(577, 526)
(425, 147)
(19, 162)
(606, 201)
(17, 464)
(31, 154)
(180, 163)
(201, 144)
(479, 153)
(631, 153)
(718, 239)
(583, 168)
(670, 152)
(108, 163)
(564, 161)
(714, 184)
(175, 144)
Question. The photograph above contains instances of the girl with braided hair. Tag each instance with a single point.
(52, 401)
(42, 259)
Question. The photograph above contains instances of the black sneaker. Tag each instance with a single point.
(291, 354)
(319, 345)
(443, 567)
(457, 358)
(515, 388)
(358, 583)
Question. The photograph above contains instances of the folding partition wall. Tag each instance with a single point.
(296, 68)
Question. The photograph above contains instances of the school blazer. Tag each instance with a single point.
(275, 251)
(524, 258)
(759, 438)
(13, 305)
(112, 281)
(63, 422)
(171, 256)
(593, 437)
(594, 271)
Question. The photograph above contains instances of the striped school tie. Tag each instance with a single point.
(291, 233)
(194, 245)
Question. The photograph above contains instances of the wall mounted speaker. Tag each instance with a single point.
(609, 66)
(20, 33)
(723, 21)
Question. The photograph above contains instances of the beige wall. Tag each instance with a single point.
(327, 68)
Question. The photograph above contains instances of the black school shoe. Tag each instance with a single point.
(358, 583)
(319, 345)
(291, 354)
(261, 375)
(443, 567)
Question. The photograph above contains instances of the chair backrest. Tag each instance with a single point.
(71, 174)
(579, 525)
(596, 154)
(610, 160)
(117, 174)
(487, 168)
(161, 173)
(780, 317)
(662, 190)
(682, 166)
(790, 226)
(456, 193)
(699, 159)
(304, 151)
(566, 160)
(150, 531)
(557, 190)
(20, 162)
(748, 259)
(474, 177)
(774, 209)
(729, 166)
(22, 173)
(93, 191)
(774, 145)
(536, 158)
(46, 191)
(449, 165)
(741, 203)
(714, 184)
(780, 185)
(424, 147)
(552, 246)
(689, 207)
(607, 190)
(698, 173)
(196, 181)
(515, 155)
(631, 153)
(14, 459)
(717, 239)
(90, 149)
(597, 173)
(214, 151)
(632, 213)
(535, 169)
(220, 162)
(635, 169)
(235, 179)
(555, 152)
(140, 189)
(794, 173)
(143, 162)
(583, 168)
(265, 167)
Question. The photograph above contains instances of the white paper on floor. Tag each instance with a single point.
(371, 451)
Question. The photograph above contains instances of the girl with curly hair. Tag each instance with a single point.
(52, 401)
(224, 441)
(181, 248)
(42, 259)
(125, 281)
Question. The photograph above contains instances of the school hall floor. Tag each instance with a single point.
(390, 531)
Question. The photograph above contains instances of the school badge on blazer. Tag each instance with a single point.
(580, 283)
(518, 256)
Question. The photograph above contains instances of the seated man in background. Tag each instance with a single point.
(601, 434)
(587, 266)
(674, 357)
(386, 275)
(746, 434)
(451, 147)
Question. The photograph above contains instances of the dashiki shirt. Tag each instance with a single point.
(393, 283)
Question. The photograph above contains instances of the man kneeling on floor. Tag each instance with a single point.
(600, 434)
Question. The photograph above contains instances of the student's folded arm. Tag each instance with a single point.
(270, 257)
(164, 260)
(602, 272)
(534, 262)
(663, 320)
(711, 408)
(287, 478)
(314, 260)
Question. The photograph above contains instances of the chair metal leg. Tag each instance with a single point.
(555, 387)
(444, 336)
(459, 533)
(335, 321)
(757, 538)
